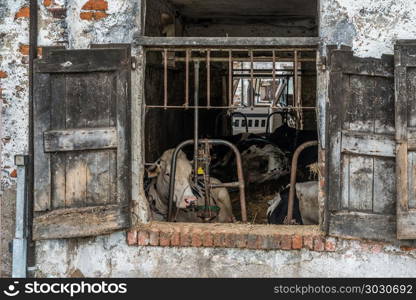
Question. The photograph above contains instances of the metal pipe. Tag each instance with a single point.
(176, 49)
(165, 77)
(293, 172)
(229, 107)
(196, 120)
(187, 79)
(240, 174)
(208, 79)
(230, 79)
(19, 262)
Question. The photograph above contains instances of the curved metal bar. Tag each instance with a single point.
(282, 113)
(293, 170)
(240, 174)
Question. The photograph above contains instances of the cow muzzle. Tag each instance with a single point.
(190, 201)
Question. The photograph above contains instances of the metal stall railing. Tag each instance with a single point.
(231, 57)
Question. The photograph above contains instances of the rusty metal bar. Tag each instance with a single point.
(230, 79)
(187, 79)
(227, 107)
(176, 49)
(196, 119)
(165, 77)
(293, 172)
(295, 79)
(208, 79)
(256, 59)
(240, 174)
(274, 78)
(253, 88)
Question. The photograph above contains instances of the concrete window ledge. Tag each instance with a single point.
(262, 237)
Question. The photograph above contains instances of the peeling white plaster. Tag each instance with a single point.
(369, 26)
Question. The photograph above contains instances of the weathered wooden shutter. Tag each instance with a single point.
(361, 147)
(81, 142)
(405, 77)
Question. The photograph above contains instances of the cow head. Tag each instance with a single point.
(183, 195)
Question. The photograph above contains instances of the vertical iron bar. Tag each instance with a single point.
(187, 78)
(253, 94)
(208, 78)
(230, 78)
(165, 66)
(274, 79)
(196, 119)
(295, 86)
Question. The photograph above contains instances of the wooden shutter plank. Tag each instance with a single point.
(78, 222)
(405, 74)
(42, 180)
(80, 139)
(361, 147)
(123, 152)
(368, 144)
(361, 183)
(87, 142)
(362, 225)
(384, 185)
(58, 120)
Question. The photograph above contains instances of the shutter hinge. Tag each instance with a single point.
(133, 63)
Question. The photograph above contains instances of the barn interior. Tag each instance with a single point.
(252, 89)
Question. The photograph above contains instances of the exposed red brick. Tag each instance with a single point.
(407, 248)
(165, 238)
(23, 12)
(185, 238)
(252, 241)
(308, 242)
(196, 239)
(175, 239)
(132, 237)
(275, 242)
(286, 242)
(319, 244)
(95, 5)
(93, 16)
(297, 242)
(47, 2)
(154, 237)
(207, 239)
(218, 239)
(13, 173)
(330, 245)
(240, 240)
(3, 74)
(143, 238)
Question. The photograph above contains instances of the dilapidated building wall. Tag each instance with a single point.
(370, 27)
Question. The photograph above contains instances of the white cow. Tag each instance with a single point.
(184, 198)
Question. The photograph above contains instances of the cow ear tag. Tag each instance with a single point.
(200, 171)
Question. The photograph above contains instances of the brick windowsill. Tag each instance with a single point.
(262, 237)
